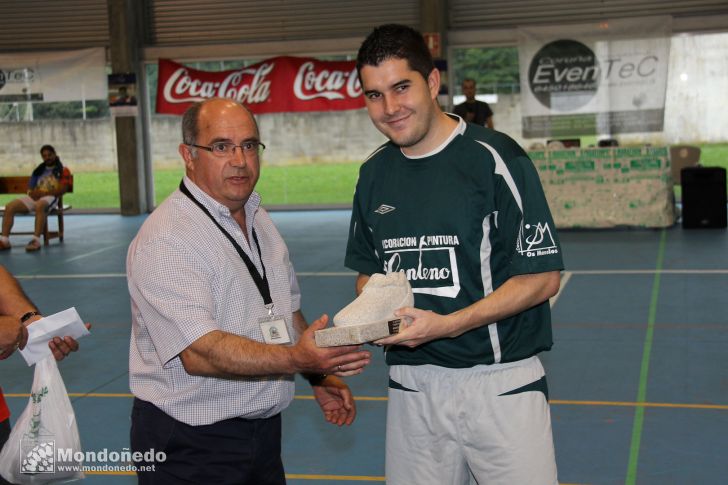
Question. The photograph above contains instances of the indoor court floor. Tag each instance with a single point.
(638, 374)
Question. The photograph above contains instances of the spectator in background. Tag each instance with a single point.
(48, 182)
(472, 110)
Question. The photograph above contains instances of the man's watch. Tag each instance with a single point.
(314, 379)
(28, 315)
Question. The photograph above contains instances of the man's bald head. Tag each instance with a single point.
(191, 117)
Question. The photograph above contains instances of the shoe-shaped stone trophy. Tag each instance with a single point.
(371, 316)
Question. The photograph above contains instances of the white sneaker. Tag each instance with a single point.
(380, 297)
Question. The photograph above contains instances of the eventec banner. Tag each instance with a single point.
(603, 78)
(280, 84)
(53, 76)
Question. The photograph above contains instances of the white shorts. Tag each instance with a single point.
(489, 424)
(30, 203)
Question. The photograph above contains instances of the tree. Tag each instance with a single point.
(495, 69)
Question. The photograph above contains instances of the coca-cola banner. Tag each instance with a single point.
(280, 84)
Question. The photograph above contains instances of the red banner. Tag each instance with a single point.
(280, 84)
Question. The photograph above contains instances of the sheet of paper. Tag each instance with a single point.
(62, 324)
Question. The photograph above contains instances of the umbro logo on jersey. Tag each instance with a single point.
(384, 208)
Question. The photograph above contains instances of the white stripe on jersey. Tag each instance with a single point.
(487, 279)
(502, 170)
(379, 149)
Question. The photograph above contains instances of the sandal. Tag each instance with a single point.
(33, 245)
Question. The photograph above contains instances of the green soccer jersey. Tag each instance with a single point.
(459, 221)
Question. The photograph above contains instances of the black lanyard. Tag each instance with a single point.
(260, 281)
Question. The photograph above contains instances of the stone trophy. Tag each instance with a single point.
(371, 315)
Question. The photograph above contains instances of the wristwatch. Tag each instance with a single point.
(27, 316)
(314, 379)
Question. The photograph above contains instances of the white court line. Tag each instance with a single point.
(564, 279)
(69, 276)
(580, 272)
(101, 250)
(332, 273)
(351, 273)
(650, 271)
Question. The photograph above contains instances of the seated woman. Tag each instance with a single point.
(48, 181)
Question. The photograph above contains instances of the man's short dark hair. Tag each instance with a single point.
(394, 41)
(47, 148)
(189, 123)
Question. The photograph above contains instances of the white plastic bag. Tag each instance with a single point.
(44, 440)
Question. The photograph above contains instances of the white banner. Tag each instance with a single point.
(53, 76)
(603, 78)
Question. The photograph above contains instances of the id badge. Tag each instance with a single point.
(275, 331)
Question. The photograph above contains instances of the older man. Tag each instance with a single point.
(217, 331)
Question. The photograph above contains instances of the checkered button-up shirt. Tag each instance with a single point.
(185, 280)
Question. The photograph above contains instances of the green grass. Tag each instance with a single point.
(330, 183)
(714, 155)
(311, 184)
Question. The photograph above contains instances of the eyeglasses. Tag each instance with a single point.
(222, 149)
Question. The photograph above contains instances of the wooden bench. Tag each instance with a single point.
(19, 185)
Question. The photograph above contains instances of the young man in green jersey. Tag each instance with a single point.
(459, 209)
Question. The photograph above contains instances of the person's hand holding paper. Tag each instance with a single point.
(53, 328)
